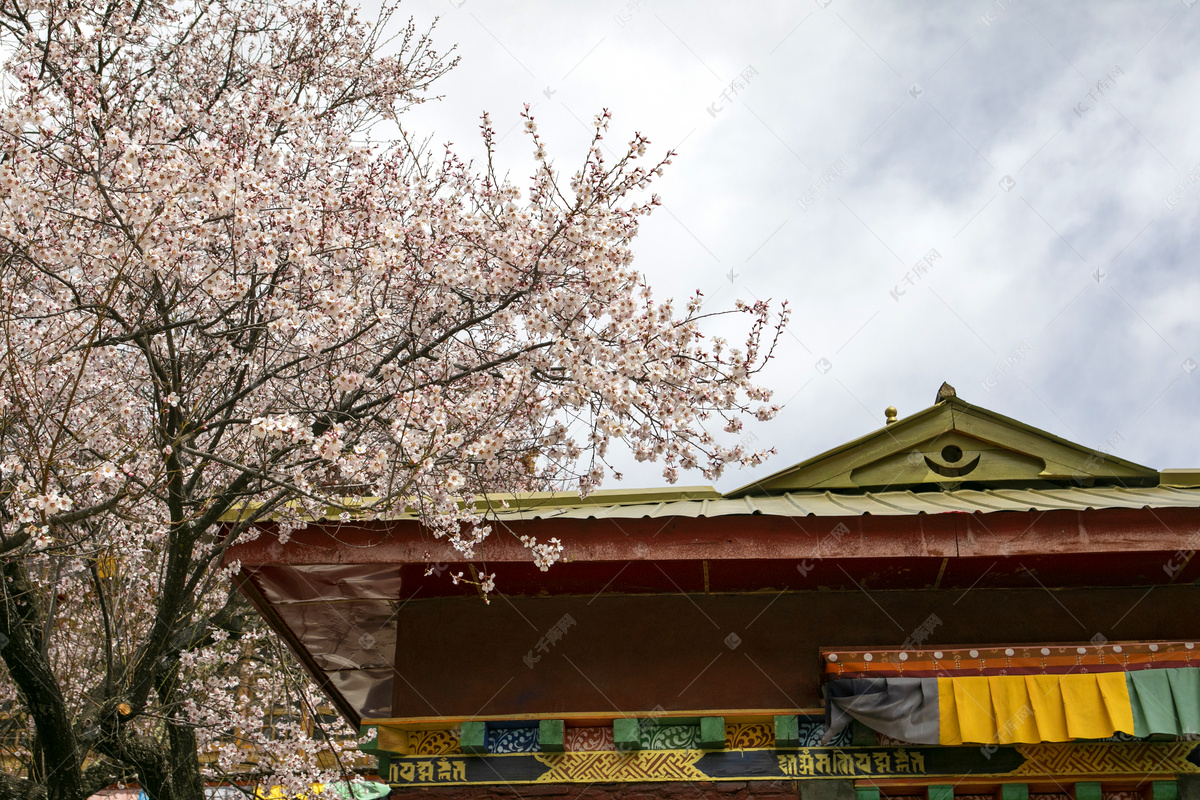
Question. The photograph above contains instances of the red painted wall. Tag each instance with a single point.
(634, 653)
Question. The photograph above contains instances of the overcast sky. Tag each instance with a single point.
(994, 194)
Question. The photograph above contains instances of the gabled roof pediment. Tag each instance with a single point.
(952, 444)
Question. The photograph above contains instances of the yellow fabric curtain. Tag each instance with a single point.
(1011, 709)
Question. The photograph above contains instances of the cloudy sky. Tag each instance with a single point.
(994, 194)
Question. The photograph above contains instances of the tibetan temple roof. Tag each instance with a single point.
(900, 502)
(894, 572)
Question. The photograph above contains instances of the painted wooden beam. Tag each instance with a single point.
(867, 792)
(712, 733)
(1088, 790)
(787, 730)
(551, 733)
(473, 737)
(940, 791)
(393, 740)
(626, 734)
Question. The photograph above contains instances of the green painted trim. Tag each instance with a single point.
(1013, 791)
(941, 791)
(473, 737)
(1164, 790)
(712, 733)
(867, 792)
(862, 736)
(626, 734)
(1088, 790)
(1179, 477)
(551, 733)
(787, 730)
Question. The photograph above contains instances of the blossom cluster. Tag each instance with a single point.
(221, 301)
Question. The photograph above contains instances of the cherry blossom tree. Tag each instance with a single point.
(225, 298)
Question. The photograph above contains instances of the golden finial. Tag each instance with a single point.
(889, 415)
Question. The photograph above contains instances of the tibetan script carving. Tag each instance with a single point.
(823, 763)
(443, 770)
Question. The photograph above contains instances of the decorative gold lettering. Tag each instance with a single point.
(918, 762)
(863, 762)
(902, 761)
(821, 764)
(425, 772)
(804, 763)
(460, 771)
(883, 762)
(443, 773)
(408, 771)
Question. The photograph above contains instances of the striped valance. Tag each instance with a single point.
(1012, 709)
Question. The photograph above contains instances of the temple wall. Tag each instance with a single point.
(612, 654)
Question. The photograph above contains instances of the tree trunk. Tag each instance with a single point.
(21, 622)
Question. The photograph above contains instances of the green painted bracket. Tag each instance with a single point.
(473, 737)
(712, 733)
(371, 746)
(941, 791)
(1013, 791)
(867, 792)
(1164, 790)
(1088, 790)
(550, 735)
(626, 734)
(787, 731)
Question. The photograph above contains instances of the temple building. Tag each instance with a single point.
(955, 605)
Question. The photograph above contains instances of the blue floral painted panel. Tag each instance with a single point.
(512, 740)
(811, 732)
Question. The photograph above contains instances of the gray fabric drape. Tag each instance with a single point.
(902, 708)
